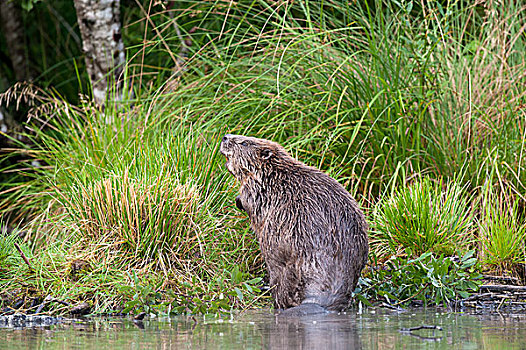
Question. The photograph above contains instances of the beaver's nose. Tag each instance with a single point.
(226, 137)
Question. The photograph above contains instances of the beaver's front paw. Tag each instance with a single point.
(238, 203)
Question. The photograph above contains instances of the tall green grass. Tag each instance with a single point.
(374, 94)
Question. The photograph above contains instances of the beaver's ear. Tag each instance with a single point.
(266, 153)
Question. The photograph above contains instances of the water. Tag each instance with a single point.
(372, 329)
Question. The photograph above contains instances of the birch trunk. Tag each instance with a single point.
(100, 27)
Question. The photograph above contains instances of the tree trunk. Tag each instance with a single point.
(100, 27)
(13, 29)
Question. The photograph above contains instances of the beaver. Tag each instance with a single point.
(312, 234)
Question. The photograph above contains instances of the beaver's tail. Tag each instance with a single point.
(304, 309)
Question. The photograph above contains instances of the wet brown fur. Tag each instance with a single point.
(312, 234)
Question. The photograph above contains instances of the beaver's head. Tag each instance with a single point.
(248, 156)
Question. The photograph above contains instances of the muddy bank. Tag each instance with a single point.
(496, 298)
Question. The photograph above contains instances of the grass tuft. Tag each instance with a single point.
(154, 221)
(503, 236)
(424, 217)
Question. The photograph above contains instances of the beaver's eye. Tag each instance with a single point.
(244, 143)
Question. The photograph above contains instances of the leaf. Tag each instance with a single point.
(463, 294)
(247, 287)
(254, 280)
(472, 285)
(420, 258)
(363, 300)
(469, 263)
(239, 293)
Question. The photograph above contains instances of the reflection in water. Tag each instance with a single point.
(373, 329)
(312, 332)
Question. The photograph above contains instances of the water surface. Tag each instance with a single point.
(371, 329)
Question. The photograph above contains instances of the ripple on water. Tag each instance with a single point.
(370, 329)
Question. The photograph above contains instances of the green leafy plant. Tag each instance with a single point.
(145, 295)
(422, 218)
(227, 292)
(431, 279)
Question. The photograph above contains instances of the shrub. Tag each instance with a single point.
(423, 218)
(432, 279)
